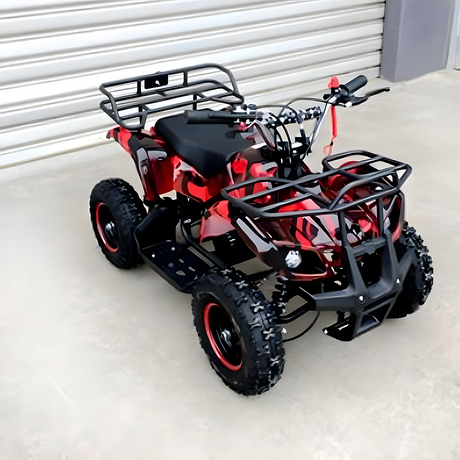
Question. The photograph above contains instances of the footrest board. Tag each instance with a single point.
(176, 264)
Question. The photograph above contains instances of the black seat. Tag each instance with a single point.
(206, 147)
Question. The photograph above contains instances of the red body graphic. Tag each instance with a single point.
(162, 170)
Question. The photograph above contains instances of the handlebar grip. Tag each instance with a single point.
(356, 83)
(197, 116)
(212, 117)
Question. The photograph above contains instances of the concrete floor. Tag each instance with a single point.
(98, 363)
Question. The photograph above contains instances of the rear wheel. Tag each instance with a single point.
(116, 210)
(237, 330)
(419, 280)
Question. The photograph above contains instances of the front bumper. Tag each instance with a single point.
(362, 308)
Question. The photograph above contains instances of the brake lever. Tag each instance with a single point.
(377, 91)
(354, 100)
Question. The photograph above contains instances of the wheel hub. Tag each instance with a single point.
(223, 336)
(110, 230)
(226, 337)
(106, 227)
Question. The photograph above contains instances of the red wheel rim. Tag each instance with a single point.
(102, 223)
(220, 331)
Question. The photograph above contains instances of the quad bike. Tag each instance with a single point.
(336, 239)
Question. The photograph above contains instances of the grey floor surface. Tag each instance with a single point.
(102, 364)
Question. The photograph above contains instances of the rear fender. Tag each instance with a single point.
(151, 160)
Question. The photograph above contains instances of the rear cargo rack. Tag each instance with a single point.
(388, 180)
(131, 100)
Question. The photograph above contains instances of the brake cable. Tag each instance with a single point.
(289, 142)
(306, 330)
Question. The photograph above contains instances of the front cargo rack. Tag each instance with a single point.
(131, 100)
(387, 180)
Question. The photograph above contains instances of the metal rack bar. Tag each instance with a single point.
(161, 92)
(387, 180)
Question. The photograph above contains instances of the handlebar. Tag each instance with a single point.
(343, 95)
(340, 95)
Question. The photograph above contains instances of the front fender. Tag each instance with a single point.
(263, 248)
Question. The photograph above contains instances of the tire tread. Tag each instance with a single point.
(253, 310)
(419, 281)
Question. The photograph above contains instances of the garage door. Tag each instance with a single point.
(55, 53)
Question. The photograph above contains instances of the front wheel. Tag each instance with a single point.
(419, 280)
(237, 330)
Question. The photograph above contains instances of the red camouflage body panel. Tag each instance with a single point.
(165, 171)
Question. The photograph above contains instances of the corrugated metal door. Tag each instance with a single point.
(55, 53)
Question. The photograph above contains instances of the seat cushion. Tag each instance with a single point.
(206, 147)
